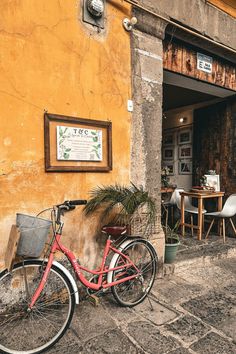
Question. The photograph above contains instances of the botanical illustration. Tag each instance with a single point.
(79, 144)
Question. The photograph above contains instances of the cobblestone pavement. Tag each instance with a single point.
(190, 311)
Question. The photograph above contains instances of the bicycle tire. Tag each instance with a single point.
(24, 332)
(132, 292)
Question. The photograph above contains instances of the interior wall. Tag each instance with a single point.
(214, 132)
(172, 125)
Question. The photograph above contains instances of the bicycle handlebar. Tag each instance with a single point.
(77, 202)
(67, 206)
(70, 204)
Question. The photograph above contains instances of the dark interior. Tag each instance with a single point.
(176, 97)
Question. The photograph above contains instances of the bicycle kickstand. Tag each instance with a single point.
(94, 299)
(151, 307)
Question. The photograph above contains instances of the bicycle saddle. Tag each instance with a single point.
(114, 230)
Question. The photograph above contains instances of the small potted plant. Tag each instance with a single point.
(164, 176)
(171, 241)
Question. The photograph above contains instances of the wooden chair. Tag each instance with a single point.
(188, 207)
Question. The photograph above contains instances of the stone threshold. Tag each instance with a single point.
(193, 252)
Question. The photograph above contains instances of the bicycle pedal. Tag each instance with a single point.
(94, 299)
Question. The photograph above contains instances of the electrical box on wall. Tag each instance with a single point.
(93, 12)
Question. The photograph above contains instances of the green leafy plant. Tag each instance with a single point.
(164, 176)
(123, 201)
(171, 235)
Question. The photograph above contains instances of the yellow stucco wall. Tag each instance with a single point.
(228, 6)
(50, 60)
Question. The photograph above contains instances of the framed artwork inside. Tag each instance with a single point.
(185, 151)
(185, 167)
(168, 153)
(169, 139)
(185, 136)
(213, 181)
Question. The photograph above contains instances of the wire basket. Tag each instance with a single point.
(33, 235)
(140, 225)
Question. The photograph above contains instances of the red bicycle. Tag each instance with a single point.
(38, 297)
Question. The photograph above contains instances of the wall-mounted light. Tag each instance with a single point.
(183, 120)
(128, 24)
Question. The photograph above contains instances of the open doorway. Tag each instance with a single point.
(188, 105)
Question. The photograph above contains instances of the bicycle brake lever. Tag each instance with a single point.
(69, 206)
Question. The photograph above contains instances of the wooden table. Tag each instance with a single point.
(167, 190)
(200, 197)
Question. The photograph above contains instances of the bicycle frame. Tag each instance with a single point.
(102, 270)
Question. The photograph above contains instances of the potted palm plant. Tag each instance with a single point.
(121, 203)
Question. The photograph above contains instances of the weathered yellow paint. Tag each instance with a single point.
(50, 60)
(228, 6)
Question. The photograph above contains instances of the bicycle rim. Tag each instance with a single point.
(134, 291)
(23, 332)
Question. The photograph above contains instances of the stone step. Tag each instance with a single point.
(193, 252)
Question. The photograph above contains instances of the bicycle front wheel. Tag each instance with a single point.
(28, 332)
(133, 291)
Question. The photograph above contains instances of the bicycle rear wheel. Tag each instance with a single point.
(24, 332)
(134, 291)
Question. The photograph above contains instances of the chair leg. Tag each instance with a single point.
(220, 225)
(209, 229)
(231, 221)
(172, 215)
(203, 222)
(191, 218)
(166, 216)
(223, 222)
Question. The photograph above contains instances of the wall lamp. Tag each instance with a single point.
(183, 120)
(128, 24)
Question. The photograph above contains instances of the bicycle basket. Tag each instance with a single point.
(140, 225)
(33, 235)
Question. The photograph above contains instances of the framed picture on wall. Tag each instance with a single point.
(185, 151)
(185, 136)
(185, 167)
(168, 153)
(170, 166)
(77, 144)
(169, 139)
(213, 181)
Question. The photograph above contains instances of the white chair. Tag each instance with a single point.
(188, 207)
(169, 204)
(228, 211)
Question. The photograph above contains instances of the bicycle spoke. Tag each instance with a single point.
(23, 331)
(134, 290)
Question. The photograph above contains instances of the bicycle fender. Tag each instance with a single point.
(115, 257)
(71, 279)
